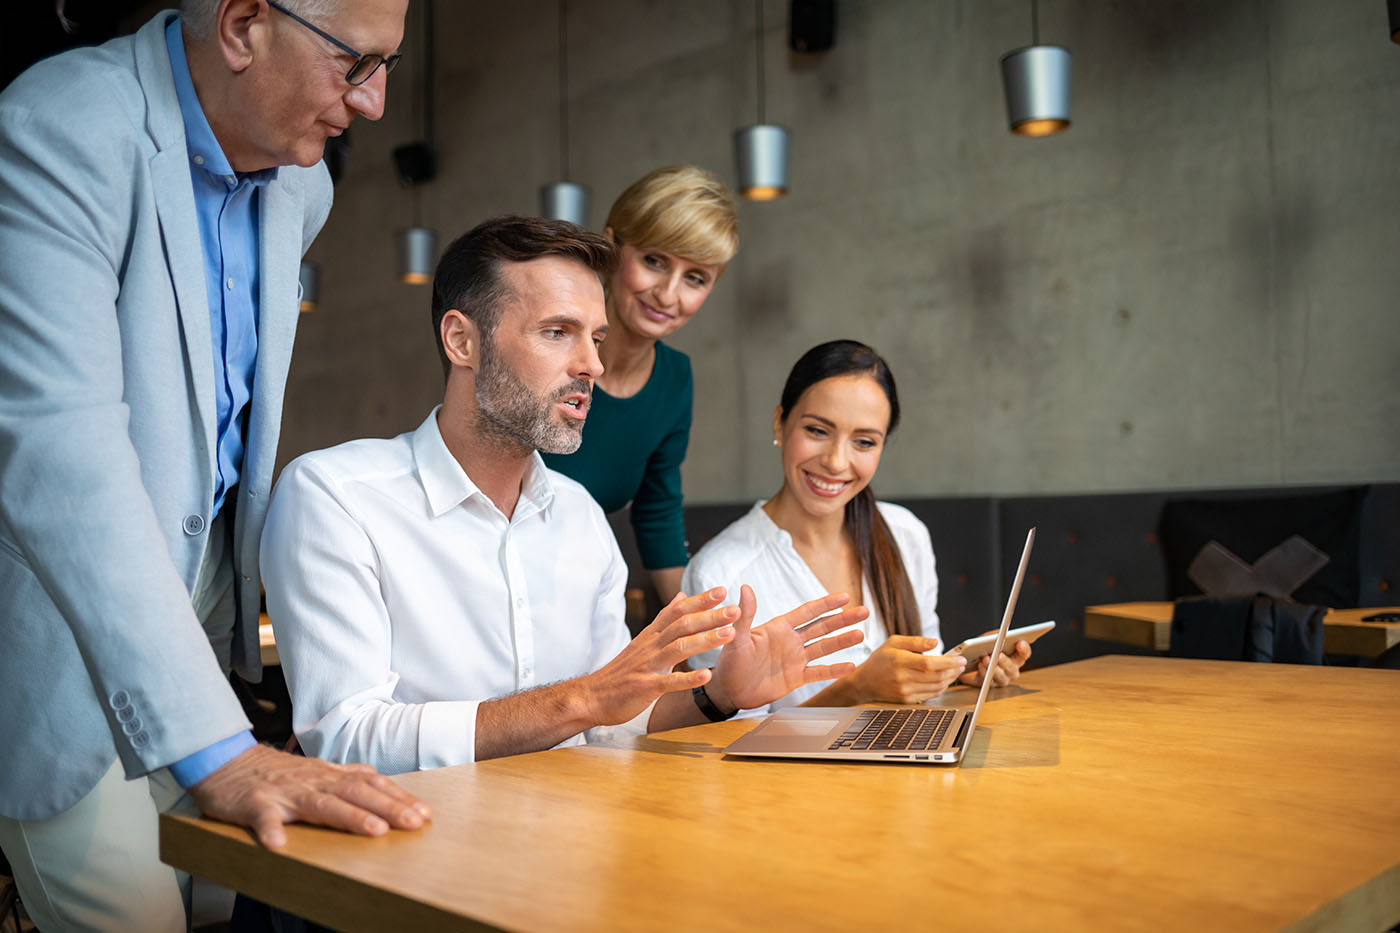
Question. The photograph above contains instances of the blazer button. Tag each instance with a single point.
(119, 699)
(194, 524)
(126, 713)
(140, 740)
(133, 727)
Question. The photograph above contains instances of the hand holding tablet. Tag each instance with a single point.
(974, 648)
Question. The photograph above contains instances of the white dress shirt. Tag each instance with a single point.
(756, 551)
(402, 597)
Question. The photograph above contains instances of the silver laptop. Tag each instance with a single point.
(916, 734)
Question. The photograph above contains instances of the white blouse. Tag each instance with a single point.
(756, 551)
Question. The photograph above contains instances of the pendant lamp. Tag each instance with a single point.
(309, 278)
(416, 164)
(1037, 83)
(1394, 19)
(761, 150)
(417, 255)
(564, 200)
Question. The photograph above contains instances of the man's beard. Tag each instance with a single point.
(514, 416)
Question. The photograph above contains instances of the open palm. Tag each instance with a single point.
(767, 662)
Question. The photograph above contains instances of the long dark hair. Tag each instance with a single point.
(875, 548)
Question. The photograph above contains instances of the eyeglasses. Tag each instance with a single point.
(365, 64)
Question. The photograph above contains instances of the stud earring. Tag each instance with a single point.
(775, 443)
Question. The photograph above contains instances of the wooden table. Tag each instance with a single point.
(1149, 625)
(1114, 793)
(267, 642)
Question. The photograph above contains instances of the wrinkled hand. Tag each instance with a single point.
(263, 788)
(645, 669)
(1008, 666)
(899, 671)
(768, 662)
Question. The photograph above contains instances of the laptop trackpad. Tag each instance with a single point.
(800, 726)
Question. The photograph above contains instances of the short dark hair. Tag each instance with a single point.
(469, 278)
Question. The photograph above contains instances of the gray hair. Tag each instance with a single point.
(198, 15)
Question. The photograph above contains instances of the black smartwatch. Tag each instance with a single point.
(707, 706)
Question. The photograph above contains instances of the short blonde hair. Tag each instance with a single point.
(680, 209)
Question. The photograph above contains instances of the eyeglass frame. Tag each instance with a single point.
(360, 57)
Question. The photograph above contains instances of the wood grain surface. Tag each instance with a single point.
(1114, 793)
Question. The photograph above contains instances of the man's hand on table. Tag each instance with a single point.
(263, 789)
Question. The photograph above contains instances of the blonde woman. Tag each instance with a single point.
(676, 229)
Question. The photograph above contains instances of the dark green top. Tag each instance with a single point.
(632, 451)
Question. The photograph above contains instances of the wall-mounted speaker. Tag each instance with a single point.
(812, 25)
(415, 163)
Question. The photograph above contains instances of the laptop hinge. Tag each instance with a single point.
(961, 739)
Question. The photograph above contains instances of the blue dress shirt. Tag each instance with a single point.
(227, 205)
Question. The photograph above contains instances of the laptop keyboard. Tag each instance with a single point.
(880, 729)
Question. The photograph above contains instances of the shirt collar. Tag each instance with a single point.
(447, 485)
(204, 149)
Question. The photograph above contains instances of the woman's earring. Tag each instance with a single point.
(775, 443)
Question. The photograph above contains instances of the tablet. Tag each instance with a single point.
(974, 648)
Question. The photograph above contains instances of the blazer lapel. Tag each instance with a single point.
(179, 225)
(280, 222)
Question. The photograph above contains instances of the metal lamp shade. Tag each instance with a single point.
(1037, 85)
(565, 200)
(1394, 20)
(309, 278)
(761, 152)
(417, 255)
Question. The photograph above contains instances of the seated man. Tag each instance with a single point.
(443, 597)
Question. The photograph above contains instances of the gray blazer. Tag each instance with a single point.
(107, 424)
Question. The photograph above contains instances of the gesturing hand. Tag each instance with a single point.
(764, 663)
(263, 788)
(645, 669)
(899, 671)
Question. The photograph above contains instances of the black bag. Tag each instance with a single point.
(1247, 628)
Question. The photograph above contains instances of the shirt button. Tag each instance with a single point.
(199, 160)
(229, 283)
(520, 602)
(194, 524)
(230, 179)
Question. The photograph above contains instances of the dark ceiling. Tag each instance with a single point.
(33, 29)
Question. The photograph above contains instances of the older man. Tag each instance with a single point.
(442, 597)
(155, 195)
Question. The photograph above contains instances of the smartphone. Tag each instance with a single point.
(974, 648)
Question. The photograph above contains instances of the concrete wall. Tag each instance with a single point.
(1195, 286)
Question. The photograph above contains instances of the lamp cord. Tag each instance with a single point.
(563, 90)
(429, 75)
(758, 43)
(1035, 22)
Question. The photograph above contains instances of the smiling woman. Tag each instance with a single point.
(824, 532)
(676, 228)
